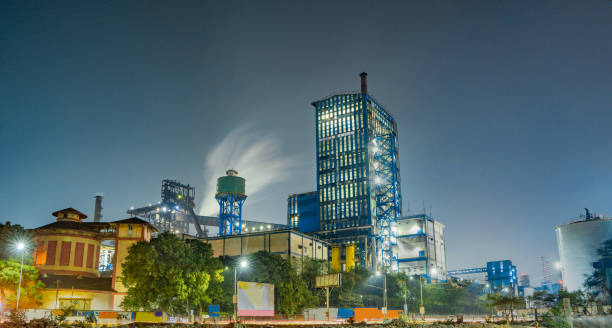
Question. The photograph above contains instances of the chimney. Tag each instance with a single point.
(364, 82)
(98, 208)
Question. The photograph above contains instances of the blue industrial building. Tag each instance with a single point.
(358, 180)
(501, 276)
(303, 212)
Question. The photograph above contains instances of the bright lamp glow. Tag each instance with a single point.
(558, 265)
(378, 273)
(20, 246)
(243, 264)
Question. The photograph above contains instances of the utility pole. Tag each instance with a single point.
(327, 303)
(422, 307)
(405, 298)
(20, 276)
(235, 298)
(385, 294)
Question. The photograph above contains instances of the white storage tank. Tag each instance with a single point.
(577, 243)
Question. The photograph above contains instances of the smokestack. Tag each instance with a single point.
(364, 82)
(98, 208)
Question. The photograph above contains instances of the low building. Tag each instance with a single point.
(67, 257)
(420, 246)
(287, 243)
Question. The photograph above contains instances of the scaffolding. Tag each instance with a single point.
(388, 197)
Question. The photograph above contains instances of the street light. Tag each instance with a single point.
(20, 248)
(243, 264)
(378, 273)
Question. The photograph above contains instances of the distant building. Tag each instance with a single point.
(303, 212)
(501, 276)
(420, 246)
(524, 280)
(577, 242)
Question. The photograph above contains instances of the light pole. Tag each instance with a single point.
(384, 293)
(243, 264)
(20, 247)
(422, 307)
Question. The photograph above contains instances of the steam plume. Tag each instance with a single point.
(257, 157)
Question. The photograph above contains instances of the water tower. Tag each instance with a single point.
(230, 196)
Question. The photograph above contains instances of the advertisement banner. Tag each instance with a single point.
(255, 299)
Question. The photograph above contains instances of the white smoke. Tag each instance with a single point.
(257, 157)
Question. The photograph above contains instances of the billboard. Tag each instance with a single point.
(255, 299)
(328, 280)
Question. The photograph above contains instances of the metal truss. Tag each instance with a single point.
(230, 214)
(388, 197)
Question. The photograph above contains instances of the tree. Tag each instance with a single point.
(540, 299)
(169, 274)
(10, 268)
(31, 287)
(291, 292)
(596, 283)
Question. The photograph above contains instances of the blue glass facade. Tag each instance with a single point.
(357, 187)
(303, 212)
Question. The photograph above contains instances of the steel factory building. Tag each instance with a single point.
(358, 189)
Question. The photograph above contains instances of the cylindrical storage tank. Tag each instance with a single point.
(578, 243)
(336, 258)
(350, 257)
(231, 184)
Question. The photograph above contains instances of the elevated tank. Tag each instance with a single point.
(578, 243)
(231, 184)
(230, 196)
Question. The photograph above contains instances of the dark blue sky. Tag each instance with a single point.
(503, 107)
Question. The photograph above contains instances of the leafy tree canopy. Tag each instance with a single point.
(169, 274)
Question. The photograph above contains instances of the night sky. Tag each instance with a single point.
(504, 108)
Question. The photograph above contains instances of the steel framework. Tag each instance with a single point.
(388, 197)
(230, 213)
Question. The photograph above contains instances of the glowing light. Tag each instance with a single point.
(164, 209)
(20, 246)
(378, 273)
(411, 278)
(374, 150)
(261, 228)
(269, 226)
(558, 265)
(243, 264)
(378, 181)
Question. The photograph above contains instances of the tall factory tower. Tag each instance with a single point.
(358, 178)
(230, 196)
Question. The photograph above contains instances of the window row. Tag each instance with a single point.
(341, 144)
(343, 191)
(347, 174)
